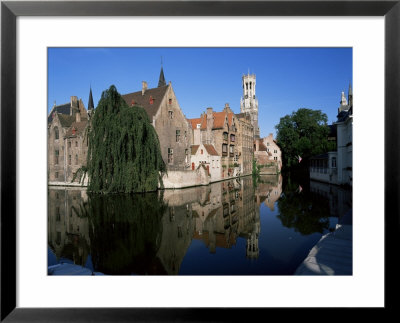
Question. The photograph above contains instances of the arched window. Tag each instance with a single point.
(56, 134)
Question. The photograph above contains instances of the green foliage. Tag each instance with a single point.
(124, 151)
(125, 232)
(303, 133)
(303, 211)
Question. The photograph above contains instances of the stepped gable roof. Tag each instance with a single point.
(194, 149)
(60, 109)
(76, 129)
(219, 120)
(66, 120)
(211, 150)
(136, 98)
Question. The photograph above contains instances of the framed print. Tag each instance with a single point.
(34, 33)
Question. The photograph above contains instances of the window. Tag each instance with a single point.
(225, 134)
(224, 149)
(333, 162)
(69, 159)
(267, 143)
(56, 157)
(232, 138)
(275, 151)
(56, 134)
(58, 239)
(170, 114)
(231, 150)
(76, 144)
(58, 215)
(169, 101)
(186, 155)
(170, 155)
(178, 135)
(198, 126)
(76, 159)
(201, 151)
(69, 144)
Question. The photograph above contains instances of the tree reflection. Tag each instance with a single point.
(303, 211)
(125, 233)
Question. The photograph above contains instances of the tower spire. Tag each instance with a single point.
(161, 80)
(90, 103)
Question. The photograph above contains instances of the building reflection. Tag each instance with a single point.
(149, 234)
(68, 231)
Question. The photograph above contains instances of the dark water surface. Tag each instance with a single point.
(234, 227)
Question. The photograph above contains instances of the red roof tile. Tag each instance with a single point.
(211, 150)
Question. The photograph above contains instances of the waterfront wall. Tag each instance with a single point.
(180, 179)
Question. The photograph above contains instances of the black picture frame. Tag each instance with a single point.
(10, 10)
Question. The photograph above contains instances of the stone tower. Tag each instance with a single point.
(249, 102)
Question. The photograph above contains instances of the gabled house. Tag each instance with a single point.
(67, 140)
(205, 155)
(220, 130)
(166, 116)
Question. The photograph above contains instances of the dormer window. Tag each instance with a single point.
(170, 114)
(132, 102)
(151, 100)
(198, 126)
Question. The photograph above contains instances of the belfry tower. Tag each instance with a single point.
(249, 102)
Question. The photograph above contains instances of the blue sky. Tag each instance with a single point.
(287, 78)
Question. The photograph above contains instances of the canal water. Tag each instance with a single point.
(235, 227)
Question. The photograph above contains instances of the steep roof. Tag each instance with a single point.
(66, 120)
(219, 119)
(211, 150)
(61, 109)
(79, 128)
(194, 149)
(194, 122)
(262, 147)
(136, 98)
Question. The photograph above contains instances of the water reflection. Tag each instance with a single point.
(213, 229)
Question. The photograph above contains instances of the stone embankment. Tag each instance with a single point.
(333, 254)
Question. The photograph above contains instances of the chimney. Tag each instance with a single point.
(77, 117)
(144, 87)
(227, 106)
(74, 101)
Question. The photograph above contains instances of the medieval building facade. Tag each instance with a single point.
(166, 116)
(67, 143)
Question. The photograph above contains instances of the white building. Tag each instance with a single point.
(337, 167)
(206, 155)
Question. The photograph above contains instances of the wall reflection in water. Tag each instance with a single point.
(150, 234)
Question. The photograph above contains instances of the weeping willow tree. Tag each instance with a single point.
(124, 151)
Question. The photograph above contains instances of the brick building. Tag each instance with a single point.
(219, 129)
(166, 116)
(245, 143)
(67, 143)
